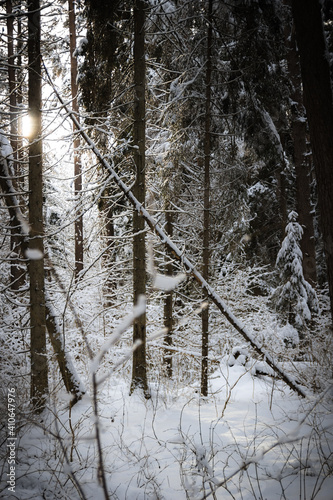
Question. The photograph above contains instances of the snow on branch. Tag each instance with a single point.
(138, 310)
(162, 282)
(179, 255)
(6, 184)
(294, 294)
(70, 378)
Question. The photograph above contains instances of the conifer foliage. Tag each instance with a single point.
(191, 147)
(159, 321)
(294, 295)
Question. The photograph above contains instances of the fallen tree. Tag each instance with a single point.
(179, 255)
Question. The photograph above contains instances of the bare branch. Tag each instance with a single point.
(179, 255)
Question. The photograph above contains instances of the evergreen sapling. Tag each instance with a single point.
(294, 294)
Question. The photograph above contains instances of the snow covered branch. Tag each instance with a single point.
(179, 255)
(68, 373)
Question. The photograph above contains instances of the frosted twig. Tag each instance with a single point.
(189, 267)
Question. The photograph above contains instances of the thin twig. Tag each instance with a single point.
(190, 268)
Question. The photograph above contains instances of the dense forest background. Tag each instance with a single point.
(166, 236)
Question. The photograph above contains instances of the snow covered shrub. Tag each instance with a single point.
(239, 356)
(289, 335)
(294, 295)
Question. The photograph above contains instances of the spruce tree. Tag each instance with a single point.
(295, 295)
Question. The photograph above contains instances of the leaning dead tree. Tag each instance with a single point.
(21, 229)
(179, 255)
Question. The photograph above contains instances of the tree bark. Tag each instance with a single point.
(168, 300)
(67, 371)
(17, 276)
(78, 224)
(317, 92)
(281, 196)
(39, 366)
(302, 165)
(190, 268)
(139, 373)
(206, 221)
(110, 257)
(11, 78)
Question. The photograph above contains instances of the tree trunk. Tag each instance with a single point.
(67, 371)
(206, 221)
(78, 224)
(139, 373)
(168, 301)
(302, 165)
(19, 95)
(69, 376)
(190, 268)
(281, 196)
(317, 93)
(39, 367)
(11, 78)
(17, 277)
(106, 208)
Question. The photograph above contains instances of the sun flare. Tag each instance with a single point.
(26, 126)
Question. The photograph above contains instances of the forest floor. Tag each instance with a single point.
(253, 435)
(251, 438)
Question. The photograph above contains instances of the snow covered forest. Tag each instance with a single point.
(166, 249)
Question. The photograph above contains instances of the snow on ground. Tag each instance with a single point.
(177, 445)
(249, 434)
